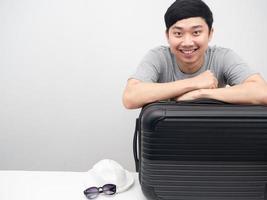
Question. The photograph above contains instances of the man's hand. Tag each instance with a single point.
(195, 94)
(206, 80)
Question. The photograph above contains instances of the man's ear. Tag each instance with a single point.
(211, 34)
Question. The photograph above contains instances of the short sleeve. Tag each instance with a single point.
(148, 68)
(235, 70)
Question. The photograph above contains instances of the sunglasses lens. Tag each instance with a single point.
(109, 189)
(91, 192)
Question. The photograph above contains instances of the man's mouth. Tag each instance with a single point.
(188, 52)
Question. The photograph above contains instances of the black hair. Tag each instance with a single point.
(183, 9)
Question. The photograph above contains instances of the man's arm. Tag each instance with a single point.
(252, 91)
(138, 93)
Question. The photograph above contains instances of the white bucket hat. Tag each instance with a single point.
(109, 171)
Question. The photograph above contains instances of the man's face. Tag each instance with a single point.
(188, 40)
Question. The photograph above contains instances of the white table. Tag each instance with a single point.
(43, 185)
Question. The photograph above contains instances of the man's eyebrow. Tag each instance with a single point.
(197, 26)
(177, 27)
(193, 27)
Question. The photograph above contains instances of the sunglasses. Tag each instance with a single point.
(93, 192)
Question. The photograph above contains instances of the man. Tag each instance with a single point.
(189, 69)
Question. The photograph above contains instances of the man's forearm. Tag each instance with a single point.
(139, 94)
(246, 93)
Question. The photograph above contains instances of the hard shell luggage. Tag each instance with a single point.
(204, 150)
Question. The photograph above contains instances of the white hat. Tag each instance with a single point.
(109, 171)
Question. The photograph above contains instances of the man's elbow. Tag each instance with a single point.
(128, 101)
(128, 104)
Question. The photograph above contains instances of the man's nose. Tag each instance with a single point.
(187, 40)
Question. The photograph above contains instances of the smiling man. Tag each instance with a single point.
(189, 68)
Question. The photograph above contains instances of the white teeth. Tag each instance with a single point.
(187, 51)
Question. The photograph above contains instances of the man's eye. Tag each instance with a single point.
(178, 34)
(196, 33)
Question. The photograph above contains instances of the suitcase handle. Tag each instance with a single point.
(135, 145)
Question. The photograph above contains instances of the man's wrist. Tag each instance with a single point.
(191, 84)
(205, 93)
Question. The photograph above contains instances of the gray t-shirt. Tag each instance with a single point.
(160, 66)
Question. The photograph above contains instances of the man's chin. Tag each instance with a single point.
(188, 59)
(188, 62)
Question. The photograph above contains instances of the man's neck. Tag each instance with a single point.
(190, 68)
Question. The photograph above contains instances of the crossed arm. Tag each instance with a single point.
(252, 91)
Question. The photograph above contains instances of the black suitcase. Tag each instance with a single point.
(202, 151)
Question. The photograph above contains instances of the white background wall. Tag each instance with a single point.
(64, 64)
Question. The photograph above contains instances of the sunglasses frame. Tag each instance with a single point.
(100, 190)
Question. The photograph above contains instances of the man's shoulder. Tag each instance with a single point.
(159, 54)
(218, 50)
(222, 55)
(164, 50)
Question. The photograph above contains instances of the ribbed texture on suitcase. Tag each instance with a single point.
(204, 181)
(205, 158)
(206, 139)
